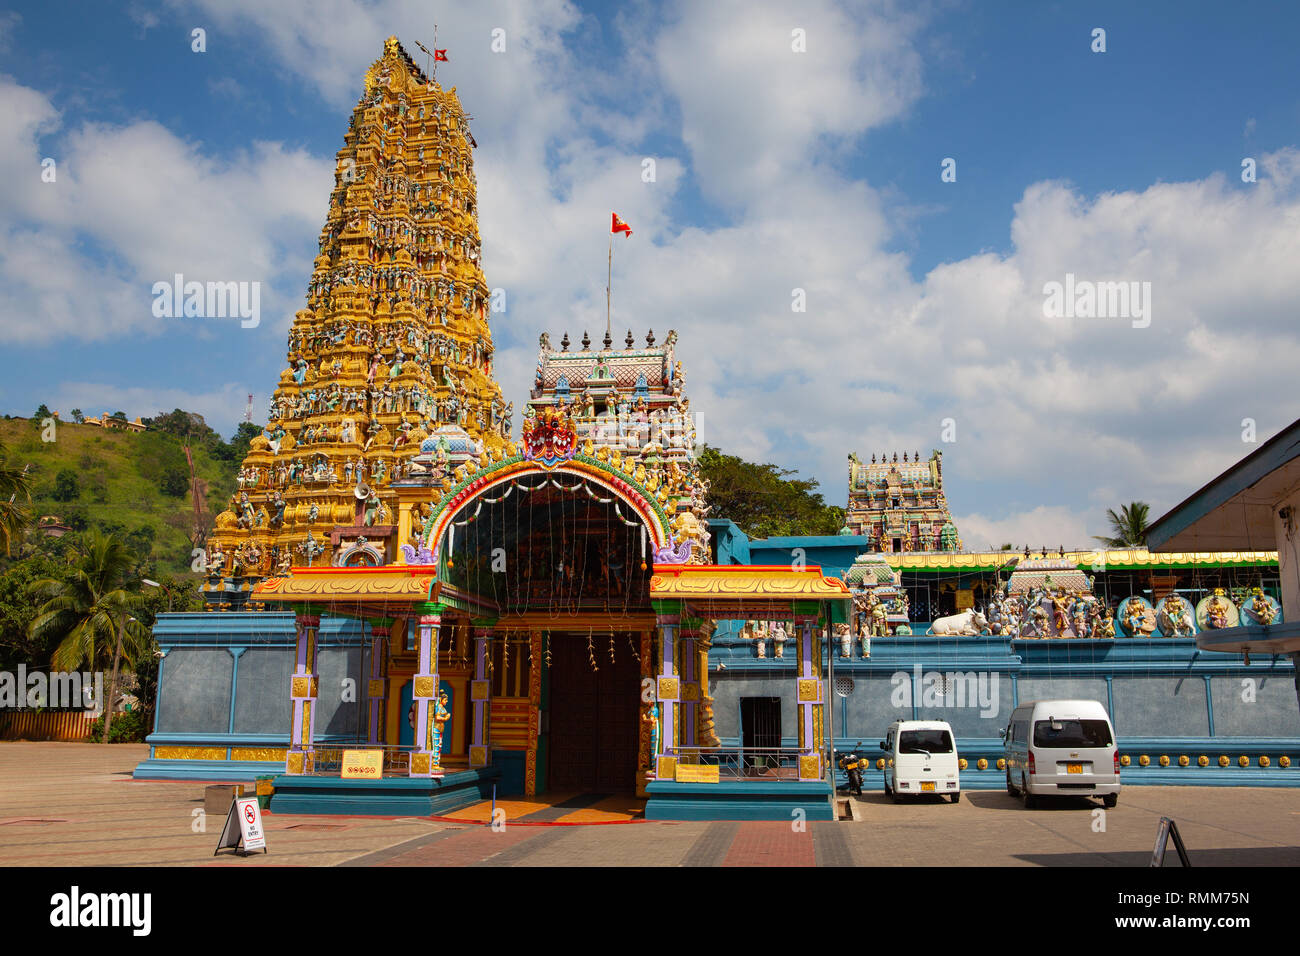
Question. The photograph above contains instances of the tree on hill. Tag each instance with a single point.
(43, 411)
(237, 449)
(67, 486)
(1128, 527)
(77, 416)
(764, 500)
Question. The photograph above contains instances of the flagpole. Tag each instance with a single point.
(609, 282)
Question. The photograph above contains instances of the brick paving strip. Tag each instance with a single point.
(831, 844)
(771, 844)
(518, 853)
(383, 857)
(712, 846)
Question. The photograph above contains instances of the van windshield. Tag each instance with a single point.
(925, 741)
(1073, 733)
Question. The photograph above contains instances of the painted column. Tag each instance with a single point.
(668, 693)
(808, 696)
(649, 734)
(424, 694)
(303, 687)
(480, 695)
(377, 686)
(535, 656)
(690, 688)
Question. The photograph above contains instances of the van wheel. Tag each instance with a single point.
(1030, 800)
(1011, 787)
(1109, 800)
(956, 798)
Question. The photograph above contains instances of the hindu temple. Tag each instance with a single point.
(398, 576)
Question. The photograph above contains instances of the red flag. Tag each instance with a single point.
(440, 56)
(618, 225)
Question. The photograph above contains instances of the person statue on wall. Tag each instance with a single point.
(1134, 617)
(651, 718)
(440, 717)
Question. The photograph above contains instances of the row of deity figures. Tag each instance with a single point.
(761, 632)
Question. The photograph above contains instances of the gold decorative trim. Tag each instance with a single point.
(666, 768)
(420, 765)
(669, 688)
(189, 753)
(303, 687)
(810, 691)
(690, 691)
(294, 762)
(258, 753)
(377, 689)
(478, 756)
(480, 690)
(422, 687)
(810, 766)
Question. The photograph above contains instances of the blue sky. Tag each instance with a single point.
(777, 170)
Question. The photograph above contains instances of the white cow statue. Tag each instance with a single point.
(966, 623)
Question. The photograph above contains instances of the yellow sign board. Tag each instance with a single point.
(965, 599)
(697, 773)
(363, 764)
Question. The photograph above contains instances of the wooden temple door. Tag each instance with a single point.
(593, 716)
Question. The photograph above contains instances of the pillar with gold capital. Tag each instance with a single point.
(425, 761)
(668, 693)
(808, 696)
(303, 687)
(377, 686)
(480, 695)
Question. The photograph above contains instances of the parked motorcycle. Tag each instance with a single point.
(851, 764)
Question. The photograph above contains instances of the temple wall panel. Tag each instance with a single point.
(261, 705)
(195, 694)
(1271, 713)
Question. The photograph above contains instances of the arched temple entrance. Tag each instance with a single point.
(550, 563)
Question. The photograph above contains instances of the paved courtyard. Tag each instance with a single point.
(76, 805)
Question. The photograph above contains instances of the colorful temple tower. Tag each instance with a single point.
(900, 506)
(393, 345)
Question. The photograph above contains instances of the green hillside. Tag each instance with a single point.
(134, 484)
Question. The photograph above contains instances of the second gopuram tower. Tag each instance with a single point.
(393, 347)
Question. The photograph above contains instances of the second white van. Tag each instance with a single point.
(920, 759)
(1061, 748)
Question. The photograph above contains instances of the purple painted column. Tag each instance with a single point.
(480, 695)
(424, 694)
(303, 686)
(668, 692)
(377, 689)
(808, 696)
(690, 704)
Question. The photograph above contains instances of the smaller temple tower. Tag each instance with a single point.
(900, 505)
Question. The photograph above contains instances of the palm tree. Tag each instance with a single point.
(14, 518)
(1128, 527)
(93, 614)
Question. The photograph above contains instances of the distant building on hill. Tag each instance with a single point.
(120, 424)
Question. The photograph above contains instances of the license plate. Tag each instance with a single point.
(852, 766)
(1074, 768)
(927, 786)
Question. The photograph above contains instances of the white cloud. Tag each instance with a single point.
(1042, 527)
(157, 204)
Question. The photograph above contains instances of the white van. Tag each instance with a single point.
(1062, 748)
(920, 758)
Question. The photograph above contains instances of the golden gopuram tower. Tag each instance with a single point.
(392, 349)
